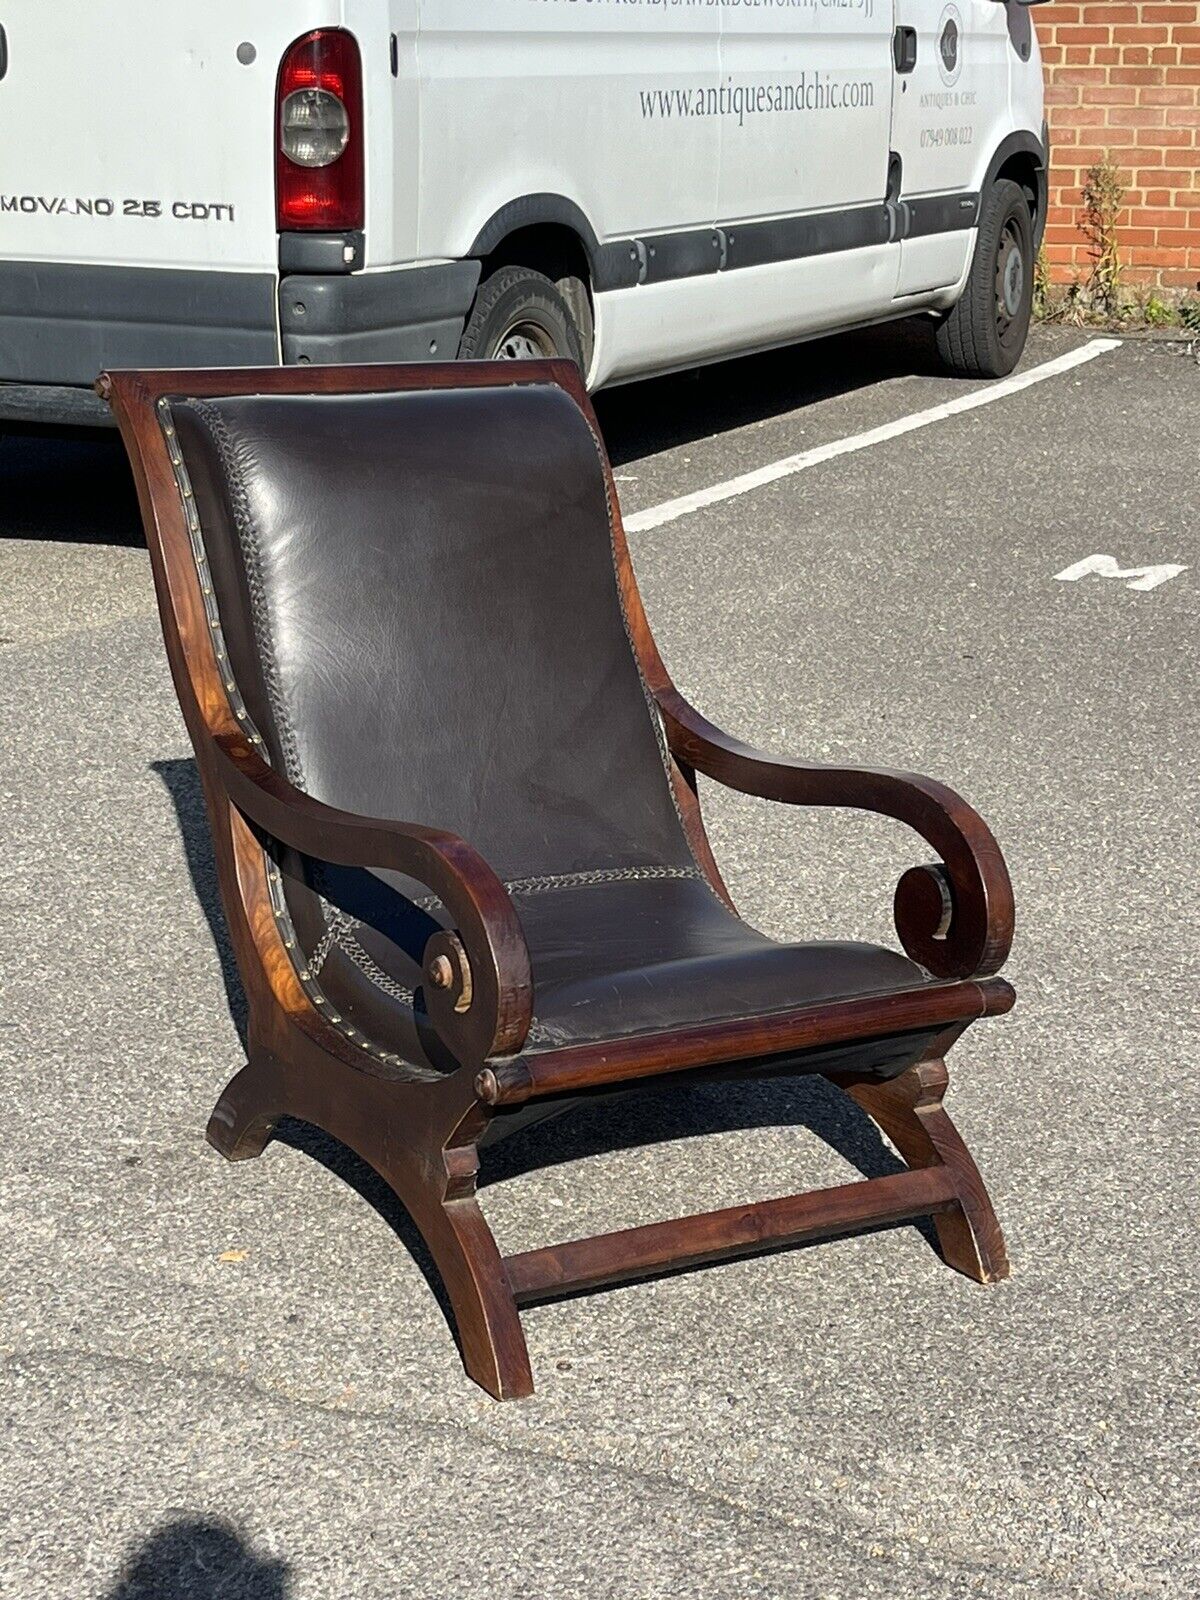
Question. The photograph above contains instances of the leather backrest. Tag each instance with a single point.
(419, 602)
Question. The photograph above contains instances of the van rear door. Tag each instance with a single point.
(137, 211)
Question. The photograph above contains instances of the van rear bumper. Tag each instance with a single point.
(53, 405)
(401, 314)
(60, 325)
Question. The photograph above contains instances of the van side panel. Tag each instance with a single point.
(950, 115)
(806, 103)
(731, 312)
(558, 98)
(807, 107)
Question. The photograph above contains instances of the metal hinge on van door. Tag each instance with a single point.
(904, 49)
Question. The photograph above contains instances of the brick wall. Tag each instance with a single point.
(1123, 85)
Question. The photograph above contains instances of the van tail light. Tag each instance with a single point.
(319, 128)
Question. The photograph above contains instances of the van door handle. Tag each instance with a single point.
(3, 51)
(904, 49)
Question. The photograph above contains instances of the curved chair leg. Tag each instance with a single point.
(909, 1111)
(244, 1118)
(436, 1186)
(490, 1337)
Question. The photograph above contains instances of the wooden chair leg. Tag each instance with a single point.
(436, 1189)
(244, 1118)
(909, 1111)
(490, 1336)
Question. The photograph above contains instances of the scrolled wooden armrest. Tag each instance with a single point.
(478, 985)
(954, 917)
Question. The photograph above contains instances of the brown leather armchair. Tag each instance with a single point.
(453, 798)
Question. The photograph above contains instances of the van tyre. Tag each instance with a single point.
(520, 315)
(983, 335)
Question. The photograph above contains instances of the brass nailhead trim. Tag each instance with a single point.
(237, 705)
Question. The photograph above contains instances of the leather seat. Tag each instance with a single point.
(413, 631)
(611, 957)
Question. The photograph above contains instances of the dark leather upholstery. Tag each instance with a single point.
(418, 597)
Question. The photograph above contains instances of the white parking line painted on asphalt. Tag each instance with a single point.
(1146, 578)
(672, 510)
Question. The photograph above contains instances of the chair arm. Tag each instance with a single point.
(478, 984)
(954, 917)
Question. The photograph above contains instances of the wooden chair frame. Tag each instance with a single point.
(955, 918)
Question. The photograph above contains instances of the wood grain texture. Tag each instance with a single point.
(975, 939)
(910, 1112)
(720, 1235)
(590, 1066)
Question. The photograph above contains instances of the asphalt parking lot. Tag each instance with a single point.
(234, 1381)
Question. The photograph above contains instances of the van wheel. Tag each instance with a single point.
(520, 315)
(983, 335)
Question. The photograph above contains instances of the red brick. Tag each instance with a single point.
(1174, 14)
(1183, 74)
(1175, 239)
(1150, 217)
(1114, 95)
(1173, 95)
(1091, 156)
(1189, 118)
(1138, 116)
(1165, 55)
(1144, 35)
(1063, 94)
(1070, 36)
(1085, 116)
(1166, 138)
(1153, 256)
(1145, 75)
(1110, 14)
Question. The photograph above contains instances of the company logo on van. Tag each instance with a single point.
(949, 46)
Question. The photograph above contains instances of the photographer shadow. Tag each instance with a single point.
(200, 1560)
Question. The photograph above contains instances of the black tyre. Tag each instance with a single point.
(984, 334)
(520, 315)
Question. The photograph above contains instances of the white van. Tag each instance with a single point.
(642, 185)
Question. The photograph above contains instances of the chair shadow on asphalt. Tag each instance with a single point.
(182, 782)
(199, 1560)
(591, 1127)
